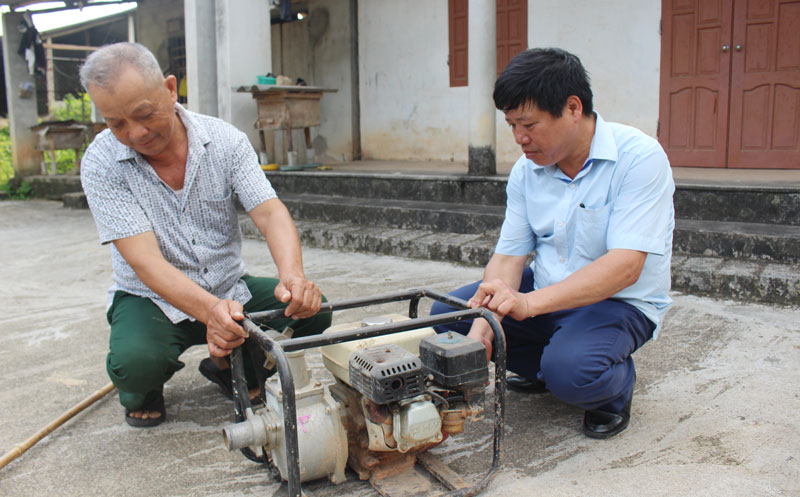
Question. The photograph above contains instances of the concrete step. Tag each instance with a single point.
(748, 241)
(732, 203)
(725, 258)
(750, 281)
(735, 202)
(764, 280)
(75, 200)
(393, 213)
(747, 204)
(718, 277)
(455, 189)
(54, 187)
(753, 241)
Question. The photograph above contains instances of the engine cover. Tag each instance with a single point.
(454, 361)
(386, 373)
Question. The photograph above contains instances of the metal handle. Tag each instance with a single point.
(739, 48)
(725, 48)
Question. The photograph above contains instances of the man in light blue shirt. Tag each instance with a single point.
(591, 202)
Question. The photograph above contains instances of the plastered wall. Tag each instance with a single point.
(619, 44)
(408, 110)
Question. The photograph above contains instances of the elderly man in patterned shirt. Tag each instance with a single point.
(162, 183)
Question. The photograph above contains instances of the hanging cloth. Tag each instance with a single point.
(31, 48)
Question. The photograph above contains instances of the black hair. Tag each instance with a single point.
(545, 77)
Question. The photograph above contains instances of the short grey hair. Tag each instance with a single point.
(103, 66)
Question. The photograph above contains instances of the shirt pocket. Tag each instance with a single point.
(591, 231)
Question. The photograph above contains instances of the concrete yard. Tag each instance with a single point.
(715, 411)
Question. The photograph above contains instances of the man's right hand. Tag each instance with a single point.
(223, 333)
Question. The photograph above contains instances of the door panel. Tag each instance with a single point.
(695, 81)
(786, 122)
(512, 30)
(765, 83)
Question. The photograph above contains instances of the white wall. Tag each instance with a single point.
(243, 52)
(201, 56)
(409, 111)
(618, 43)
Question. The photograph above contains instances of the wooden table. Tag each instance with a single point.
(59, 135)
(284, 108)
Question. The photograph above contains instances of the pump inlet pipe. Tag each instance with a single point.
(20, 448)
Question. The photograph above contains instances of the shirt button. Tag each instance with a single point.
(562, 259)
(572, 185)
(561, 223)
(205, 269)
(193, 241)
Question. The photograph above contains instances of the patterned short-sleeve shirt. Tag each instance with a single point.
(196, 228)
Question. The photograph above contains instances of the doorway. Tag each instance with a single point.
(730, 83)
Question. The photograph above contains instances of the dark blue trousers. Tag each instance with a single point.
(583, 355)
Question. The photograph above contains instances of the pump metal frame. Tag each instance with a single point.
(277, 350)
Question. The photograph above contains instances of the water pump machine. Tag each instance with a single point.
(397, 389)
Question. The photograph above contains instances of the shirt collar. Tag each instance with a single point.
(196, 134)
(198, 139)
(603, 147)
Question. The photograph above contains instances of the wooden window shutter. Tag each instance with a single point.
(512, 35)
(512, 30)
(458, 31)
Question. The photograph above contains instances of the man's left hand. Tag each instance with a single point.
(501, 299)
(303, 296)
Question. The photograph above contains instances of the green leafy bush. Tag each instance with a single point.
(16, 188)
(6, 167)
(78, 108)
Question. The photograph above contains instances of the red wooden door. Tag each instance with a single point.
(730, 83)
(765, 85)
(695, 81)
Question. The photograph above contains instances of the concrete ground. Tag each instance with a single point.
(715, 411)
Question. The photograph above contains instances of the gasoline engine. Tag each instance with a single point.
(391, 397)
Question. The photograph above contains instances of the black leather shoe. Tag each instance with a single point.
(602, 424)
(524, 385)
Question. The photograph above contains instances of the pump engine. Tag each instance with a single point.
(391, 397)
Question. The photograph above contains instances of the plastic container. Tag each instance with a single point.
(265, 80)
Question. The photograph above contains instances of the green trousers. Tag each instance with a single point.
(145, 346)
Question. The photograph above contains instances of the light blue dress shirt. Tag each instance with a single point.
(621, 199)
